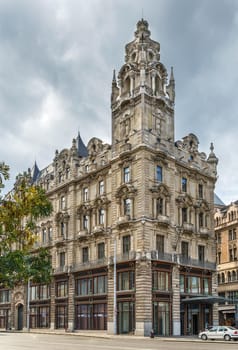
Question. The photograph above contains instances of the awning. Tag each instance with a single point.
(210, 299)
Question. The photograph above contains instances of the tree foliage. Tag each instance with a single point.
(19, 212)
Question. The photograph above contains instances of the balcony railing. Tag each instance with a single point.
(195, 262)
(89, 264)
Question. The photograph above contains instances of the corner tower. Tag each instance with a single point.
(142, 101)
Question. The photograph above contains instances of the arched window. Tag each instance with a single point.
(223, 277)
(229, 276)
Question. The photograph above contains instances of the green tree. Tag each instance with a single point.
(19, 212)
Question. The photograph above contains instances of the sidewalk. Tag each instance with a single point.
(103, 334)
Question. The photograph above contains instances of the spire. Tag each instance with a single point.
(114, 81)
(35, 172)
(171, 80)
(212, 157)
(82, 149)
(142, 32)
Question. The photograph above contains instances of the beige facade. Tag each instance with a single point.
(226, 229)
(140, 209)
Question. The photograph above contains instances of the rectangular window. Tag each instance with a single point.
(125, 280)
(126, 244)
(201, 220)
(44, 235)
(184, 215)
(101, 250)
(126, 174)
(194, 284)
(62, 203)
(206, 286)
(100, 285)
(182, 283)
(50, 230)
(101, 216)
(159, 206)
(159, 174)
(184, 184)
(61, 289)
(101, 187)
(85, 254)
(127, 206)
(231, 255)
(5, 296)
(160, 243)
(85, 194)
(184, 249)
(62, 259)
(201, 253)
(232, 234)
(85, 222)
(44, 291)
(200, 191)
(160, 280)
(84, 286)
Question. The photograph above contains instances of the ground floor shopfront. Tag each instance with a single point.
(156, 296)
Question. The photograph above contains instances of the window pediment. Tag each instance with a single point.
(61, 217)
(83, 209)
(160, 190)
(184, 199)
(126, 190)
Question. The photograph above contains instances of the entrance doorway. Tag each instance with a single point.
(20, 317)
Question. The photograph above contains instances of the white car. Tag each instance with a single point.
(219, 332)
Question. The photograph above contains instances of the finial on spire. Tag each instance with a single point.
(171, 75)
(114, 76)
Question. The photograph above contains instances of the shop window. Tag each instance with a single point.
(160, 280)
(61, 320)
(61, 289)
(125, 280)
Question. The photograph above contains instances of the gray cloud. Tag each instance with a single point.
(56, 62)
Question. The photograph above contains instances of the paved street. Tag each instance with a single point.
(24, 341)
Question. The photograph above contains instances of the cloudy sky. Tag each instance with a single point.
(56, 63)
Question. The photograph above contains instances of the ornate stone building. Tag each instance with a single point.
(226, 229)
(131, 236)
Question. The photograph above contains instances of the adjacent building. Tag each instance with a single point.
(226, 229)
(131, 235)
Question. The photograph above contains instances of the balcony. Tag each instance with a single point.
(162, 256)
(123, 220)
(163, 220)
(61, 269)
(188, 227)
(204, 232)
(183, 260)
(131, 255)
(98, 230)
(90, 264)
(83, 234)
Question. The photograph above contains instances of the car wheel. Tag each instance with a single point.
(227, 337)
(204, 337)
